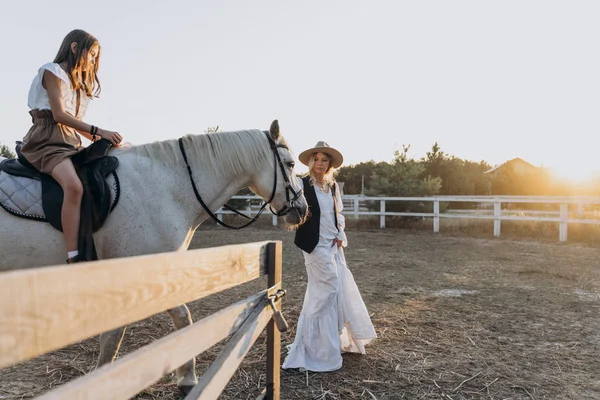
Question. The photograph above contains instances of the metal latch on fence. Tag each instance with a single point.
(280, 321)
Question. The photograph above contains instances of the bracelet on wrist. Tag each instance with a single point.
(94, 132)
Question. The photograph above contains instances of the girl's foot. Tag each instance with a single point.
(73, 260)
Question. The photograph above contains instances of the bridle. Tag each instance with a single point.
(291, 196)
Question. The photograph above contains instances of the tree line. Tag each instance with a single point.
(438, 173)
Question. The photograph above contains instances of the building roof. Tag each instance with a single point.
(517, 159)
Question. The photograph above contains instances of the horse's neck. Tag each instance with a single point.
(218, 181)
(215, 190)
(217, 177)
(174, 184)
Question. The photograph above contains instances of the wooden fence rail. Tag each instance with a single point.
(45, 309)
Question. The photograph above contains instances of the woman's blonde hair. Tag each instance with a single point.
(83, 76)
(328, 176)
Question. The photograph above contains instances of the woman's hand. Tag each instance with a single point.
(337, 241)
(111, 136)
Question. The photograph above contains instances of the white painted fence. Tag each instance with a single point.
(355, 206)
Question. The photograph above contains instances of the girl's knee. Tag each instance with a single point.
(73, 189)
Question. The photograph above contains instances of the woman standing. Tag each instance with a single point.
(334, 319)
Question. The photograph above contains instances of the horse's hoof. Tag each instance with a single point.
(185, 389)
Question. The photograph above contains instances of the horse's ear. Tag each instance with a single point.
(274, 130)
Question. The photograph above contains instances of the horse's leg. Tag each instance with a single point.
(109, 346)
(186, 374)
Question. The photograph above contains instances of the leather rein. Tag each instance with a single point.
(291, 195)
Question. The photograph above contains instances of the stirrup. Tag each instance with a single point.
(73, 260)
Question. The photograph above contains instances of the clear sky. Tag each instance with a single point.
(488, 80)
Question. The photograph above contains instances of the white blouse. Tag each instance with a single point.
(38, 96)
(327, 228)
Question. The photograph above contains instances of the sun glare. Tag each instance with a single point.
(575, 173)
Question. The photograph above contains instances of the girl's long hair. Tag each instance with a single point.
(82, 74)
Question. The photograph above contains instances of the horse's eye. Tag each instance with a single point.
(291, 164)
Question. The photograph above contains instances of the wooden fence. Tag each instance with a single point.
(45, 309)
(356, 206)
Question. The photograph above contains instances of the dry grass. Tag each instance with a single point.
(457, 318)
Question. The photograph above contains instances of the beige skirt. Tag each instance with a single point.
(48, 143)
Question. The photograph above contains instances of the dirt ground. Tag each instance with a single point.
(456, 318)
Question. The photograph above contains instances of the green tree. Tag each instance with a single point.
(403, 178)
(5, 151)
(434, 161)
(458, 177)
(353, 175)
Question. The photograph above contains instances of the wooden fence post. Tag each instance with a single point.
(382, 216)
(355, 208)
(274, 260)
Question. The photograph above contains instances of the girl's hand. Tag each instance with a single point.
(111, 136)
(337, 241)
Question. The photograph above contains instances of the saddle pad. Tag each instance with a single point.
(23, 196)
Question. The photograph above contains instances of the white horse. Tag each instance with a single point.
(158, 210)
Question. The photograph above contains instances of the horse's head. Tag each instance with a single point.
(278, 184)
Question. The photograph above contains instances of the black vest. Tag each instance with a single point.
(307, 235)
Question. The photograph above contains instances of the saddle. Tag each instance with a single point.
(93, 166)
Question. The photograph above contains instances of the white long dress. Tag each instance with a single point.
(334, 318)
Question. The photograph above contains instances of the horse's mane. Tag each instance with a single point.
(236, 152)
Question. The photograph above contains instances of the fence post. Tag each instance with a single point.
(274, 262)
(497, 211)
(436, 216)
(562, 227)
(382, 216)
(355, 208)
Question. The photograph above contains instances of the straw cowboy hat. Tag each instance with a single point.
(322, 147)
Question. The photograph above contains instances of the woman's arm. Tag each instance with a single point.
(52, 85)
(341, 220)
